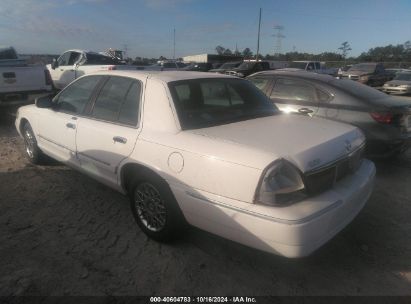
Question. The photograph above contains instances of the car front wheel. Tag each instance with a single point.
(33, 152)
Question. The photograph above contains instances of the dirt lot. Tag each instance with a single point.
(62, 233)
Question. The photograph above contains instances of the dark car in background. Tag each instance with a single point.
(226, 66)
(401, 84)
(384, 120)
(198, 67)
(248, 68)
(372, 74)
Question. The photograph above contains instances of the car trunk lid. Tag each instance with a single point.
(309, 143)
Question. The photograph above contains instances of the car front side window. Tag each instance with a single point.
(64, 59)
(74, 57)
(74, 98)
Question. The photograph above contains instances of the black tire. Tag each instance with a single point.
(155, 209)
(32, 151)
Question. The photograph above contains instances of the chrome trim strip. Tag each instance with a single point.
(334, 162)
(267, 217)
(95, 159)
(57, 144)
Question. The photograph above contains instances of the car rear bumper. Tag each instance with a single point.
(296, 237)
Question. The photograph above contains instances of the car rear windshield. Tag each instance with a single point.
(246, 65)
(8, 53)
(359, 90)
(403, 76)
(208, 102)
(100, 59)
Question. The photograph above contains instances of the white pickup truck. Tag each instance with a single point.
(73, 64)
(18, 80)
(312, 66)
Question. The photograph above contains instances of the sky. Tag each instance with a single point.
(145, 27)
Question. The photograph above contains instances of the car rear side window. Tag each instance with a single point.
(118, 101)
(129, 110)
(260, 82)
(74, 98)
(294, 89)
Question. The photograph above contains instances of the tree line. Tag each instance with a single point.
(389, 53)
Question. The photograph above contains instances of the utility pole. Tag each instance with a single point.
(174, 45)
(258, 37)
(125, 48)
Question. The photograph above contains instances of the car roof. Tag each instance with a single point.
(165, 76)
(296, 73)
(86, 52)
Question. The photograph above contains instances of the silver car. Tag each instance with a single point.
(401, 84)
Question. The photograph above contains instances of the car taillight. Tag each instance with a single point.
(48, 77)
(112, 68)
(382, 117)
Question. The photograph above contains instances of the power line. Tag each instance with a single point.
(279, 36)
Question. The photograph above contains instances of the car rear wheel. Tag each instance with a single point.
(32, 151)
(155, 208)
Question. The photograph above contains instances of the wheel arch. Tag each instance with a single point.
(131, 170)
(23, 121)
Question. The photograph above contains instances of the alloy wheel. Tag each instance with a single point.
(150, 207)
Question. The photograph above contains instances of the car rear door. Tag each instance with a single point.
(57, 126)
(294, 95)
(109, 133)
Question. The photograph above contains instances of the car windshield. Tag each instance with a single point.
(298, 65)
(100, 59)
(229, 65)
(357, 89)
(363, 67)
(246, 65)
(181, 65)
(403, 76)
(208, 102)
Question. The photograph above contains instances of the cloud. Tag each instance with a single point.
(164, 4)
(35, 17)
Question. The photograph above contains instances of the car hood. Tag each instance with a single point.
(356, 73)
(217, 70)
(307, 142)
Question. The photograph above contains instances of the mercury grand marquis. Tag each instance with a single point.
(209, 150)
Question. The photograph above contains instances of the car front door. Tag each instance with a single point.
(65, 72)
(57, 126)
(109, 133)
(294, 95)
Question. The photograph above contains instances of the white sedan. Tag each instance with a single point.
(206, 149)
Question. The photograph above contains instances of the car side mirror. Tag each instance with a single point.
(54, 64)
(44, 101)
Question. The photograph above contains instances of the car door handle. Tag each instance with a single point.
(70, 125)
(120, 139)
(305, 111)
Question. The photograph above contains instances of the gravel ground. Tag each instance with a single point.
(63, 233)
